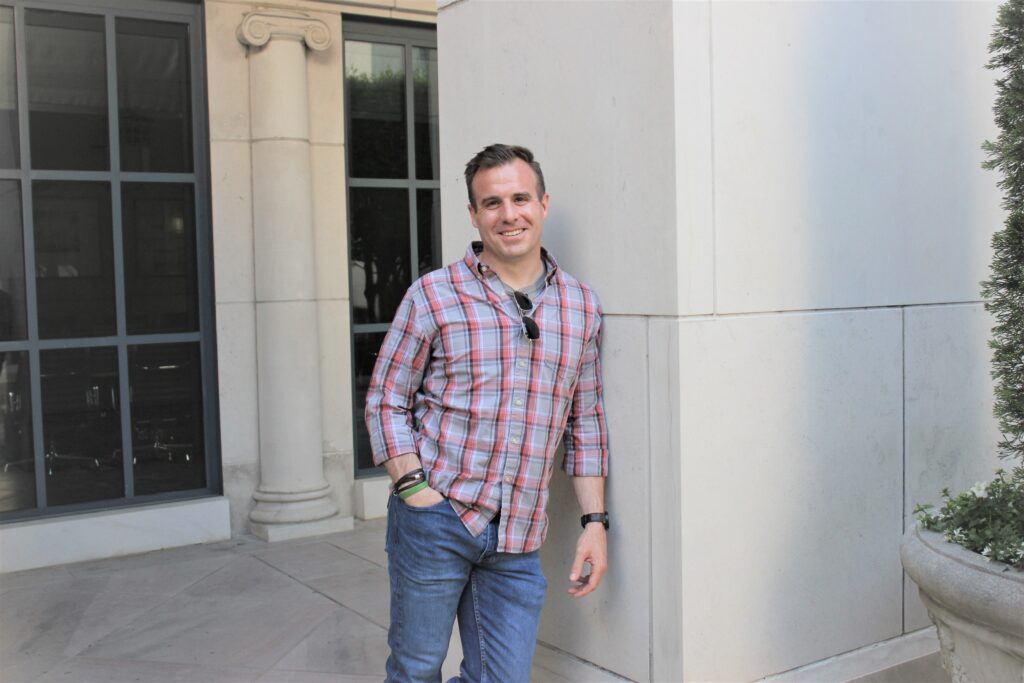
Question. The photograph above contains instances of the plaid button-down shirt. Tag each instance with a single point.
(458, 383)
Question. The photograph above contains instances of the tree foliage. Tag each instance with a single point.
(1004, 289)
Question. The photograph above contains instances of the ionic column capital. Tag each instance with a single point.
(260, 25)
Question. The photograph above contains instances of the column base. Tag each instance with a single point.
(290, 530)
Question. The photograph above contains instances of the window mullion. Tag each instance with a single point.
(204, 256)
(117, 231)
(28, 250)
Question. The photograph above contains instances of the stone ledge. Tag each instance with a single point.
(111, 533)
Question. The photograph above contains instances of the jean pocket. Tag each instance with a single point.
(424, 508)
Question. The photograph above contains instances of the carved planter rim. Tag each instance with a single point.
(964, 582)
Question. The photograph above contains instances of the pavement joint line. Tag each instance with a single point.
(320, 592)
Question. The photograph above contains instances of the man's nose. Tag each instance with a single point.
(508, 211)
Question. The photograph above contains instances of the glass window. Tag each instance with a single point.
(161, 289)
(154, 96)
(12, 264)
(365, 347)
(67, 90)
(428, 228)
(8, 92)
(81, 425)
(167, 418)
(424, 80)
(74, 259)
(375, 97)
(380, 252)
(393, 186)
(17, 463)
(105, 293)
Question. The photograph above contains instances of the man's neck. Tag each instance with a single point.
(517, 275)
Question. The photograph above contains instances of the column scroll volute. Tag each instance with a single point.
(260, 25)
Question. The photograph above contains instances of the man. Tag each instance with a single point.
(487, 364)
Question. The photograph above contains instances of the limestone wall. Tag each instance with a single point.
(782, 208)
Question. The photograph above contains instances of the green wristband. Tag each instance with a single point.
(413, 490)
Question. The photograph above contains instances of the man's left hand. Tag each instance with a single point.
(592, 549)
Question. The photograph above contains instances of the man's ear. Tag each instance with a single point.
(472, 215)
(544, 203)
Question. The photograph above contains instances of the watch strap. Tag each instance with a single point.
(594, 517)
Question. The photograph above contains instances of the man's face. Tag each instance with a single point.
(509, 214)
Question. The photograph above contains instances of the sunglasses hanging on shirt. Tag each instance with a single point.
(529, 324)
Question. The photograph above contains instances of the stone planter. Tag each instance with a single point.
(977, 607)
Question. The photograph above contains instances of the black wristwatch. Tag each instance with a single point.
(594, 517)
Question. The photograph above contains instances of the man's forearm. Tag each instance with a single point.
(589, 493)
(397, 466)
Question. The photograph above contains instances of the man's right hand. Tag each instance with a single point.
(424, 498)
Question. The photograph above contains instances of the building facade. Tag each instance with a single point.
(210, 210)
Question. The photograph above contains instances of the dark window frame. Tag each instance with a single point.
(189, 13)
(409, 36)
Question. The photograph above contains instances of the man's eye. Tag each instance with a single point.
(522, 199)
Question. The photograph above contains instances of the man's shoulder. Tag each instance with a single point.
(441, 282)
(577, 289)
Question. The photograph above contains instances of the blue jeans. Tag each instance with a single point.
(437, 570)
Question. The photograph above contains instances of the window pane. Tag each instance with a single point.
(375, 96)
(428, 226)
(67, 90)
(74, 259)
(167, 418)
(366, 346)
(17, 478)
(379, 252)
(424, 80)
(160, 258)
(8, 92)
(12, 264)
(81, 425)
(154, 96)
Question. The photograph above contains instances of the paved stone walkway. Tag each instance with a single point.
(306, 611)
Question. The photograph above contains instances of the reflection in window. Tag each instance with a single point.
(74, 259)
(67, 90)
(17, 466)
(379, 236)
(8, 92)
(12, 264)
(153, 92)
(428, 228)
(167, 418)
(424, 81)
(366, 347)
(375, 96)
(81, 425)
(159, 258)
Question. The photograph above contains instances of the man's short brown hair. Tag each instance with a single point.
(496, 155)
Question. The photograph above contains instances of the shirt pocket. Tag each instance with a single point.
(560, 372)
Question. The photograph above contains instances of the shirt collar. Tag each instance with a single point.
(479, 268)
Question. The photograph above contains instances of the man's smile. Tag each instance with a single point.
(512, 233)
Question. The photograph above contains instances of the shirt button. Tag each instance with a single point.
(519, 401)
(521, 363)
(508, 480)
(515, 439)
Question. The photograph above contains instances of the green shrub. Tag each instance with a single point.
(988, 519)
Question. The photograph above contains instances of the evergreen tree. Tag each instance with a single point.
(1004, 290)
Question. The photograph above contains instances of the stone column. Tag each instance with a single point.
(292, 498)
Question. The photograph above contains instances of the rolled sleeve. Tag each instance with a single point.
(586, 433)
(397, 377)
